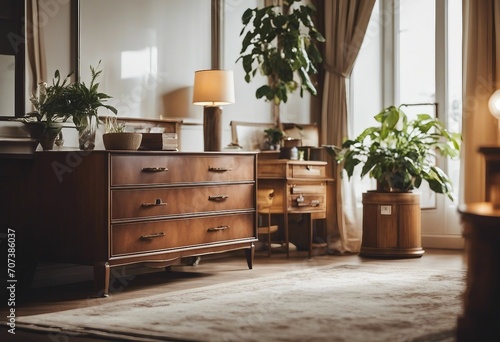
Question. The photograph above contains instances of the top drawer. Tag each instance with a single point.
(283, 168)
(167, 169)
(308, 171)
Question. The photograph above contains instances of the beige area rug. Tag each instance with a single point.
(320, 303)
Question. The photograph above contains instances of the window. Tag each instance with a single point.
(412, 51)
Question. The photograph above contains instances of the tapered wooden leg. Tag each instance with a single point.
(101, 278)
(287, 242)
(310, 236)
(249, 253)
(269, 246)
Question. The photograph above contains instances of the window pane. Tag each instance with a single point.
(417, 51)
(417, 58)
(454, 74)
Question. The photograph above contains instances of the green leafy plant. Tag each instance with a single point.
(274, 135)
(280, 45)
(113, 126)
(86, 100)
(399, 153)
(52, 102)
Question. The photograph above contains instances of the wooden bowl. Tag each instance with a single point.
(122, 141)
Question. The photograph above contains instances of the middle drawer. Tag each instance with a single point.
(140, 203)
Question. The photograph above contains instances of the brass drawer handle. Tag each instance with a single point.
(216, 229)
(152, 236)
(219, 169)
(158, 202)
(154, 169)
(218, 198)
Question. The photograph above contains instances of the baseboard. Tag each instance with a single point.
(443, 241)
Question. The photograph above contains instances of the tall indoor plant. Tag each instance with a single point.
(281, 45)
(399, 154)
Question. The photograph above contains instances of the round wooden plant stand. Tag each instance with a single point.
(391, 225)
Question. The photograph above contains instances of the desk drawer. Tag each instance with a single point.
(153, 236)
(168, 169)
(186, 200)
(308, 171)
(305, 197)
(307, 202)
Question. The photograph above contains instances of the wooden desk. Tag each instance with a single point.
(481, 312)
(299, 187)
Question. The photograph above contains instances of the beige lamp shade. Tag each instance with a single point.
(494, 104)
(213, 88)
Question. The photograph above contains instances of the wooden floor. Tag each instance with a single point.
(57, 288)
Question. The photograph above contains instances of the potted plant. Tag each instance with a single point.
(274, 137)
(116, 138)
(85, 102)
(52, 110)
(396, 152)
(281, 45)
(399, 154)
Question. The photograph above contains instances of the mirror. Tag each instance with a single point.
(140, 54)
(7, 85)
(12, 68)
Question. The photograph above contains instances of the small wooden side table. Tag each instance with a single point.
(480, 320)
(298, 187)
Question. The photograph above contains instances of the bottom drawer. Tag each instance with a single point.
(152, 236)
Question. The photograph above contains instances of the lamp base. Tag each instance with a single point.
(212, 128)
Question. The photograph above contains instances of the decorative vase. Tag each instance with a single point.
(49, 136)
(86, 133)
(122, 141)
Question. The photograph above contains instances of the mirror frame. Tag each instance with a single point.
(217, 14)
(19, 55)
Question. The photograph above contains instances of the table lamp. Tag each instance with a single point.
(494, 104)
(212, 89)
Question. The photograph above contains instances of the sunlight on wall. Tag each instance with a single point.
(140, 63)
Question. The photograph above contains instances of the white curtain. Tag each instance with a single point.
(346, 22)
(481, 31)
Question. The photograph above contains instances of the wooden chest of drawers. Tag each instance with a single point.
(108, 209)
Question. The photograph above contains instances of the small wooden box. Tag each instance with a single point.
(159, 141)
